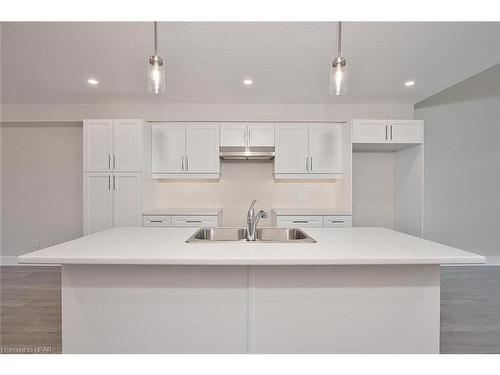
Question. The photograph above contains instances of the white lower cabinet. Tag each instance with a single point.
(312, 221)
(97, 202)
(111, 200)
(181, 221)
(300, 222)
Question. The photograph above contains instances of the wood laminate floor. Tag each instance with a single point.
(30, 309)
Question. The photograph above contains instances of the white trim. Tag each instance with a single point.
(11, 260)
(490, 261)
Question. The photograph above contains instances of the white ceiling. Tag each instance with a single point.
(206, 62)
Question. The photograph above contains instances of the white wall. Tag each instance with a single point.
(41, 187)
(373, 189)
(43, 168)
(462, 164)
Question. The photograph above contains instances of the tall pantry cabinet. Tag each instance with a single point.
(112, 174)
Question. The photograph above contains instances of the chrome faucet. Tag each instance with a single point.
(252, 220)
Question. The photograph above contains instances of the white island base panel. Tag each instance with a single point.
(250, 309)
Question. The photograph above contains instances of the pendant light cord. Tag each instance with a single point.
(155, 38)
(339, 41)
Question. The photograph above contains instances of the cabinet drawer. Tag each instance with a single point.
(338, 221)
(194, 221)
(300, 221)
(156, 221)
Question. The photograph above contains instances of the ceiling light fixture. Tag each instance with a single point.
(156, 69)
(338, 73)
(92, 81)
(409, 83)
(247, 82)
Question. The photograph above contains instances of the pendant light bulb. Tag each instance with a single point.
(338, 70)
(156, 70)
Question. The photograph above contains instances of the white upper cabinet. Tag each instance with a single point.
(308, 151)
(233, 134)
(97, 145)
(127, 138)
(261, 135)
(168, 145)
(185, 150)
(241, 134)
(112, 145)
(369, 131)
(388, 131)
(406, 131)
(325, 148)
(292, 149)
(202, 148)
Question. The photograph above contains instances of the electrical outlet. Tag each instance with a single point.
(188, 194)
(305, 196)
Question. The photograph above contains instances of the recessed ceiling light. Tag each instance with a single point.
(92, 81)
(409, 83)
(247, 82)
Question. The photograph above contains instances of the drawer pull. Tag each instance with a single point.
(193, 221)
(300, 221)
(337, 221)
(156, 221)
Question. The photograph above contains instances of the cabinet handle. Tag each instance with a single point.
(193, 221)
(386, 132)
(336, 221)
(182, 162)
(156, 221)
(311, 163)
(300, 221)
(391, 132)
(187, 165)
(109, 182)
(114, 182)
(307, 165)
(109, 161)
(114, 161)
(249, 137)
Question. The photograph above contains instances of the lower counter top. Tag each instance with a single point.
(167, 246)
(169, 211)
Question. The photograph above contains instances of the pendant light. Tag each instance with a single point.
(338, 72)
(156, 69)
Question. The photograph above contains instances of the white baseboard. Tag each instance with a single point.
(8, 260)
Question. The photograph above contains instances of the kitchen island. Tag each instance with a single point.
(145, 290)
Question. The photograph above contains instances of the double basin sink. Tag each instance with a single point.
(276, 235)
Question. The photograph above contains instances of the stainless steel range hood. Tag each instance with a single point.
(246, 152)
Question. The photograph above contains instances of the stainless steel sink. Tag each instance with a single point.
(278, 235)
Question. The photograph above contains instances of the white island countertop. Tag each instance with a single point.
(167, 246)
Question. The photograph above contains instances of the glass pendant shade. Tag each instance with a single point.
(338, 77)
(156, 75)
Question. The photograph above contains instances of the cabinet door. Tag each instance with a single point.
(406, 131)
(325, 148)
(300, 222)
(291, 148)
(261, 134)
(97, 202)
(369, 131)
(127, 199)
(127, 141)
(168, 147)
(97, 145)
(202, 148)
(233, 134)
